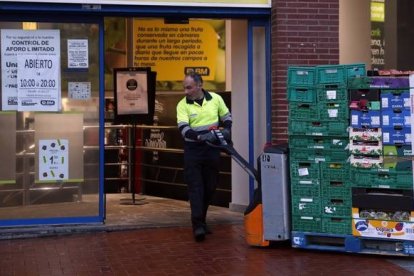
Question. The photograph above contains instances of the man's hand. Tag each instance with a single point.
(207, 137)
(226, 134)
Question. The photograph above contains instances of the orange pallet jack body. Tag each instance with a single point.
(253, 215)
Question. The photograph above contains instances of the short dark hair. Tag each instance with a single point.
(196, 77)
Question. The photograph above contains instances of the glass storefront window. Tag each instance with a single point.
(50, 126)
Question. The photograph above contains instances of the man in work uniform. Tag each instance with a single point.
(197, 113)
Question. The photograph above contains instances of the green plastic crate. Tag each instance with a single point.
(303, 111)
(307, 224)
(332, 93)
(319, 155)
(306, 205)
(318, 142)
(335, 188)
(336, 207)
(301, 76)
(301, 94)
(355, 70)
(318, 128)
(333, 111)
(335, 171)
(359, 82)
(381, 178)
(337, 225)
(308, 187)
(330, 74)
(303, 169)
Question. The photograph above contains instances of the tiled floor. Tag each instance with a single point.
(157, 240)
(172, 251)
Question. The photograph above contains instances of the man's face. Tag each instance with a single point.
(192, 90)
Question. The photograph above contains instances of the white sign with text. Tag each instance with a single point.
(30, 62)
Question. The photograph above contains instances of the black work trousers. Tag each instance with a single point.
(201, 169)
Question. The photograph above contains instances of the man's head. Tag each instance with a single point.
(193, 86)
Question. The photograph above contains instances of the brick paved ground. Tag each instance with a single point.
(172, 251)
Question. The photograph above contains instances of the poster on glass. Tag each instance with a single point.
(134, 95)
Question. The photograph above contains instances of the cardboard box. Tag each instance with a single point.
(361, 161)
(371, 118)
(391, 136)
(391, 118)
(392, 100)
(383, 229)
(386, 229)
(365, 147)
(398, 157)
(365, 134)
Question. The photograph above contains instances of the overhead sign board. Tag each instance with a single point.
(198, 3)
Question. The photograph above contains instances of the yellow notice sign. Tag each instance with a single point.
(377, 11)
(174, 49)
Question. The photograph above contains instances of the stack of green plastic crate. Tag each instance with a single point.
(318, 139)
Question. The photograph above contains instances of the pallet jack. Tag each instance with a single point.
(262, 225)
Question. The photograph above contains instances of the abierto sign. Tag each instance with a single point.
(199, 3)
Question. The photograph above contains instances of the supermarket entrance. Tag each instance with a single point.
(242, 82)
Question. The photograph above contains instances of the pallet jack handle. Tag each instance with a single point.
(222, 144)
(253, 215)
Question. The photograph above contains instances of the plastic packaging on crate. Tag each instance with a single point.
(337, 207)
(301, 76)
(335, 188)
(306, 205)
(303, 111)
(304, 169)
(366, 162)
(332, 93)
(381, 178)
(371, 118)
(334, 170)
(318, 142)
(319, 155)
(396, 118)
(307, 224)
(337, 225)
(383, 214)
(301, 94)
(378, 82)
(395, 99)
(332, 111)
(392, 136)
(318, 128)
(330, 74)
(365, 147)
(390, 82)
(365, 134)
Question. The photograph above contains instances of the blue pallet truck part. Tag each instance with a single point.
(352, 244)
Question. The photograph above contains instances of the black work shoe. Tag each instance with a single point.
(199, 234)
(207, 230)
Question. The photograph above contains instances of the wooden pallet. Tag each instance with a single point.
(351, 244)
